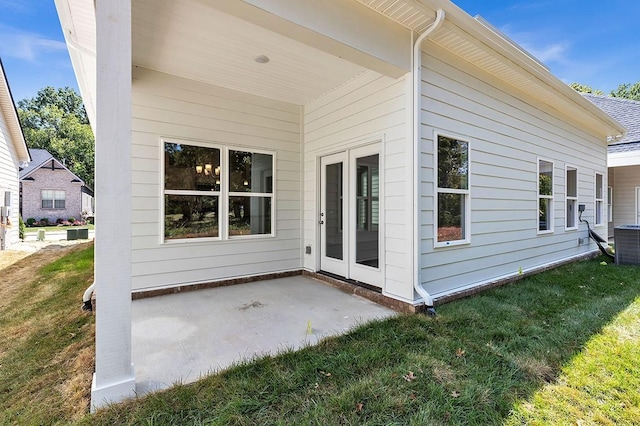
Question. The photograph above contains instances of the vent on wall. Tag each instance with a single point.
(627, 239)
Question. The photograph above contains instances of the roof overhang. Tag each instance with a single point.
(622, 159)
(488, 49)
(327, 41)
(8, 109)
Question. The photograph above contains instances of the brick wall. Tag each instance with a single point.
(57, 180)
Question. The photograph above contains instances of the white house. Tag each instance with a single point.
(13, 154)
(402, 145)
(623, 194)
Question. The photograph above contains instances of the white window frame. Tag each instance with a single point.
(466, 223)
(227, 193)
(54, 198)
(550, 218)
(571, 199)
(598, 212)
(223, 194)
(609, 204)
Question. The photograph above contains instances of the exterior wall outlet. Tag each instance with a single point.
(307, 250)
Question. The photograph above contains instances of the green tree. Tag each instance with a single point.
(585, 89)
(55, 120)
(627, 91)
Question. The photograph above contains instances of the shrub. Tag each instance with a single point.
(31, 221)
(59, 221)
(44, 221)
(21, 227)
(72, 219)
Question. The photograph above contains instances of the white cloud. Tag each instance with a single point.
(555, 52)
(27, 46)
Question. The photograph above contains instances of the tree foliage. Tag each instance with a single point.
(55, 120)
(627, 91)
(582, 88)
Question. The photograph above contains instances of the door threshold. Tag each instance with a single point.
(350, 281)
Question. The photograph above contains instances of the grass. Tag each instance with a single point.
(558, 348)
(34, 229)
(46, 342)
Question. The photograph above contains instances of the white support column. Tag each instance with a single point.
(114, 378)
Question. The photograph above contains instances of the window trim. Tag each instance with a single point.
(569, 198)
(223, 194)
(549, 197)
(609, 204)
(598, 203)
(54, 199)
(437, 190)
(224, 186)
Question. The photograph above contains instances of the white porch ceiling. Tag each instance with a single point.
(171, 36)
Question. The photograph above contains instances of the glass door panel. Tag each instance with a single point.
(334, 244)
(367, 210)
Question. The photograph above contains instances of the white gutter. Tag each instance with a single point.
(417, 108)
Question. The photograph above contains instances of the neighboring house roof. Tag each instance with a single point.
(8, 109)
(626, 111)
(42, 158)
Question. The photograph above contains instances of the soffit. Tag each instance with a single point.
(487, 49)
(8, 110)
(172, 36)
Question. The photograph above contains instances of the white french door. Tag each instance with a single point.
(349, 214)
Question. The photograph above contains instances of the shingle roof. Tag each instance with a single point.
(38, 158)
(626, 111)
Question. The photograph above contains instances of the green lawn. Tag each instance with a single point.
(558, 348)
(34, 230)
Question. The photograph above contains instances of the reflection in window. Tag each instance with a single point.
(190, 216)
(545, 196)
(250, 193)
(599, 199)
(452, 190)
(192, 191)
(572, 198)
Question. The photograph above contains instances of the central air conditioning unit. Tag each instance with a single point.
(627, 240)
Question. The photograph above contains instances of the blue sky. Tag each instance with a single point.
(594, 42)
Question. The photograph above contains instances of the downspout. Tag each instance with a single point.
(417, 108)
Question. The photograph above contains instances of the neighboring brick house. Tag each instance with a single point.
(48, 189)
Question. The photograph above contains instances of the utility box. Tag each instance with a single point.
(627, 240)
(40, 234)
(83, 234)
(72, 234)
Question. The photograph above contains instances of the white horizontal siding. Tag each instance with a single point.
(9, 179)
(171, 107)
(624, 194)
(368, 108)
(507, 134)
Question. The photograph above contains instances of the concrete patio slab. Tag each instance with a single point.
(180, 337)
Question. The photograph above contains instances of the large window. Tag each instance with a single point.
(250, 193)
(571, 185)
(53, 199)
(599, 199)
(545, 196)
(452, 193)
(200, 182)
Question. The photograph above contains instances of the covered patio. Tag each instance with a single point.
(179, 338)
